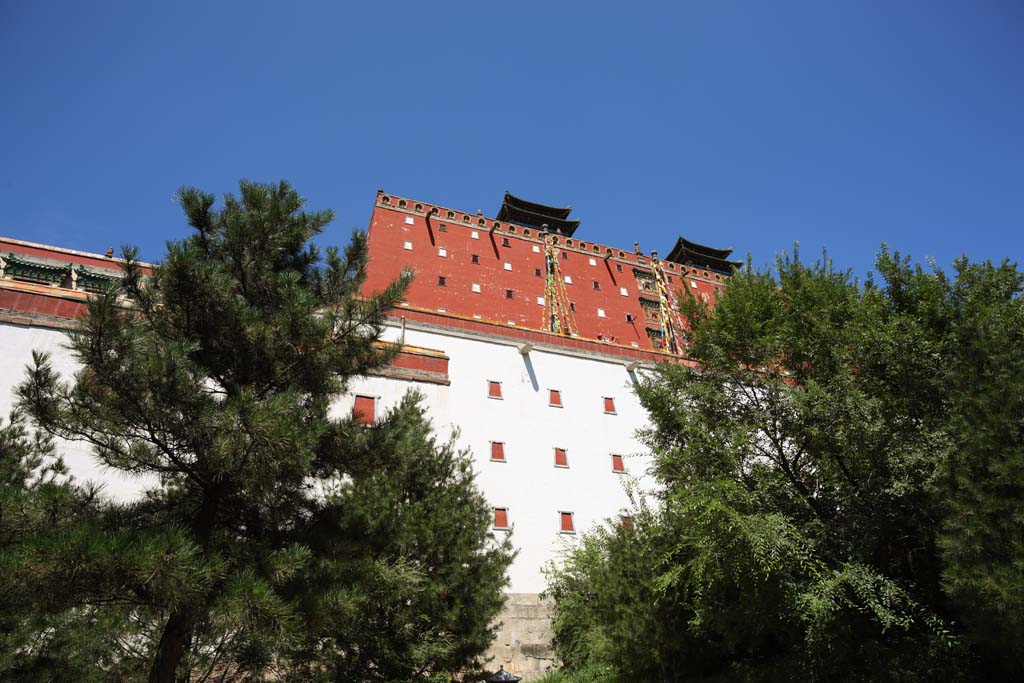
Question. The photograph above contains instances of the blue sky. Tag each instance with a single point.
(743, 124)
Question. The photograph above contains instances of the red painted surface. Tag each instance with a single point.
(392, 227)
(41, 303)
(500, 518)
(497, 451)
(364, 410)
(567, 524)
(537, 336)
(609, 405)
(617, 465)
(418, 361)
(561, 459)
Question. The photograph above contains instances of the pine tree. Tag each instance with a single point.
(274, 537)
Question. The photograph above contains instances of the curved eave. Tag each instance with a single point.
(684, 246)
(518, 215)
(561, 212)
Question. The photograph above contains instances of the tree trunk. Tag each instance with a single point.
(172, 647)
(177, 634)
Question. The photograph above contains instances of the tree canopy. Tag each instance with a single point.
(840, 488)
(275, 537)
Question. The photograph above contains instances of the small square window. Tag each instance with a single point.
(493, 389)
(536, 249)
(477, 316)
(618, 267)
(561, 458)
(565, 256)
(498, 451)
(442, 228)
(474, 234)
(536, 272)
(442, 281)
(597, 286)
(540, 301)
(617, 464)
(600, 313)
(623, 291)
(555, 398)
(626, 521)
(572, 306)
(407, 245)
(693, 284)
(568, 279)
(501, 519)
(474, 258)
(442, 252)
(476, 287)
(409, 220)
(442, 310)
(505, 242)
(566, 525)
(592, 261)
(609, 405)
(508, 266)
(508, 293)
(365, 410)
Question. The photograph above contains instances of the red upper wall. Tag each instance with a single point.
(407, 234)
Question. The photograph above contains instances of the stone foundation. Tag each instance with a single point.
(523, 641)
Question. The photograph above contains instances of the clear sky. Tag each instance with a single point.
(743, 124)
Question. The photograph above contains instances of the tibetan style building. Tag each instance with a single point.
(519, 333)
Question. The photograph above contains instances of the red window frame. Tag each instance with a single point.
(501, 519)
(609, 405)
(493, 389)
(561, 458)
(555, 398)
(498, 451)
(566, 525)
(617, 465)
(365, 410)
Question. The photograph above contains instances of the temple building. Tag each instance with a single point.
(519, 334)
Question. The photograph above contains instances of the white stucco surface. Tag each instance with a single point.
(16, 345)
(527, 483)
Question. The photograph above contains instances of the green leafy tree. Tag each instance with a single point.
(274, 537)
(839, 487)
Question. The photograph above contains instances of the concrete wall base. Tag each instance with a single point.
(523, 641)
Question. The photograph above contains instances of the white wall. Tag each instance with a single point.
(16, 345)
(528, 483)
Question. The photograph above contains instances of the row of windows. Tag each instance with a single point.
(554, 397)
(365, 408)
(561, 458)
(526, 232)
(566, 524)
(365, 412)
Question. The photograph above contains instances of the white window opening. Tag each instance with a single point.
(407, 245)
(623, 291)
(476, 287)
(508, 266)
(442, 252)
(474, 235)
(600, 313)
